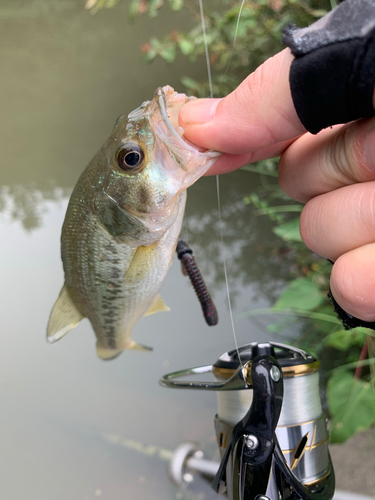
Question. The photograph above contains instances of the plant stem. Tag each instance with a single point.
(362, 356)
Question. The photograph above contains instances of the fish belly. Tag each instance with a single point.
(111, 283)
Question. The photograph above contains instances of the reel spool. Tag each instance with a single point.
(270, 426)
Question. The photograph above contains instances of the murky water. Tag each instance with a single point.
(72, 426)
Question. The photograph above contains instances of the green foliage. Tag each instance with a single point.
(258, 34)
(176, 4)
(136, 7)
(95, 5)
(343, 340)
(168, 53)
(289, 231)
(302, 293)
(352, 405)
(192, 84)
(265, 167)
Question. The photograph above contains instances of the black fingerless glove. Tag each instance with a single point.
(332, 76)
(346, 319)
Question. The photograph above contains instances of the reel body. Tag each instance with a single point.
(270, 426)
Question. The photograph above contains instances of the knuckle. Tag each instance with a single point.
(346, 155)
(340, 155)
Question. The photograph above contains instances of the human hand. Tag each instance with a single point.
(333, 172)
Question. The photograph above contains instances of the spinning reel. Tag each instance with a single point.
(270, 426)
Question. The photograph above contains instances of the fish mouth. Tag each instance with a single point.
(190, 158)
(175, 102)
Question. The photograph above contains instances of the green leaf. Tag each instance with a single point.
(289, 231)
(300, 294)
(318, 12)
(352, 405)
(176, 4)
(168, 53)
(156, 43)
(186, 46)
(190, 83)
(329, 318)
(281, 324)
(262, 168)
(153, 7)
(133, 9)
(342, 340)
(267, 210)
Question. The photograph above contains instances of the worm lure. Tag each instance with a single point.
(185, 254)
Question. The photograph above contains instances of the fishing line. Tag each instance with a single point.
(225, 270)
(206, 48)
(234, 43)
(217, 177)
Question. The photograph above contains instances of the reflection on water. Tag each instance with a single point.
(252, 252)
(66, 76)
(27, 204)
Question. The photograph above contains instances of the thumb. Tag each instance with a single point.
(257, 115)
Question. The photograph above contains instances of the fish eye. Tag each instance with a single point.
(130, 156)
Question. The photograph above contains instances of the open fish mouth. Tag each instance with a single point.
(169, 104)
(183, 161)
(192, 160)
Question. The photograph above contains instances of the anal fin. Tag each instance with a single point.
(108, 353)
(157, 305)
(64, 317)
(133, 345)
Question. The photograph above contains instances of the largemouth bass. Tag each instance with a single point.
(122, 224)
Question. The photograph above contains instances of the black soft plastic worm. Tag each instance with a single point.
(185, 254)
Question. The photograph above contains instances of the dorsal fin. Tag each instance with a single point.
(64, 317)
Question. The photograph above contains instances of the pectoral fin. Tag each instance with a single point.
(64, 317)
(143, 260)
(157, 305)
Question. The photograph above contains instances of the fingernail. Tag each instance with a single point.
(369, 149)
(199, 111)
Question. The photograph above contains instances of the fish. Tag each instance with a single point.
(123, 222)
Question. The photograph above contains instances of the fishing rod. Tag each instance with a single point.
(270, 427)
